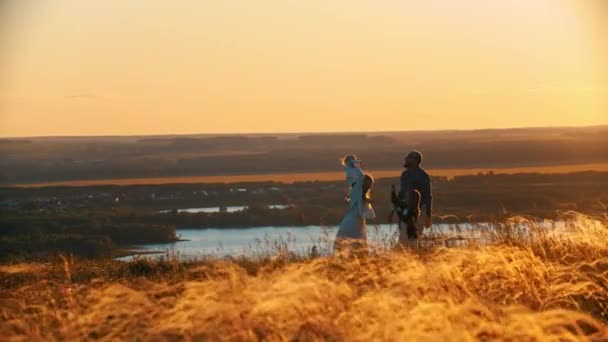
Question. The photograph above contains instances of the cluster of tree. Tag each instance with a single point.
(254, 216)
(41, 246)
(89, 234)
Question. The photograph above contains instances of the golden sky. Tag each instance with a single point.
(86, 67)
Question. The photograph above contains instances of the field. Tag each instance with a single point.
(541, 285)
(291, 177)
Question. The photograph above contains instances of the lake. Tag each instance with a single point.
(228, 209)
(267, 240)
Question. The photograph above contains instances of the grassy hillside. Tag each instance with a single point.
(548, 285)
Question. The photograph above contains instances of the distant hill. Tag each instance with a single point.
(78, 158)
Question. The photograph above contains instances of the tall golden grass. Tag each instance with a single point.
(549, 284)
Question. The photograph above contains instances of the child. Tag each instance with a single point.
(407, 212)
(368, 185)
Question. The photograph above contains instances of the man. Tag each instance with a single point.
(415, 179)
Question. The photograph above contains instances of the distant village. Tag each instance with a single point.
(479, 195)
(221, 197)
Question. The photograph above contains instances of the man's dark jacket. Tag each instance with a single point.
(417, 179)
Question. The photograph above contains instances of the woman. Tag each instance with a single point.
(353, 228)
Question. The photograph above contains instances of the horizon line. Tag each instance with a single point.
(295, 132)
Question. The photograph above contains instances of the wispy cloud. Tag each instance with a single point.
(540, 90)
(568, 89)
(80, 96)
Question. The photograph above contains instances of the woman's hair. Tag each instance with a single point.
(368, 185)
(347, 159)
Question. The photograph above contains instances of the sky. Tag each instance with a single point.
(115, 67)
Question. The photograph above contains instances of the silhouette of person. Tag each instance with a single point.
(415, 194)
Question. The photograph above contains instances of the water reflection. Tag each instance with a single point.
(268, 240)
(227, 209)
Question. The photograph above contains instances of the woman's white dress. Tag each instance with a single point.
(353, 225)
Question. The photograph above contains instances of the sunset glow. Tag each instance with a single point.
(168, 67)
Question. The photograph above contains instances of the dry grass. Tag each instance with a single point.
(312, 176)
(546, 285)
